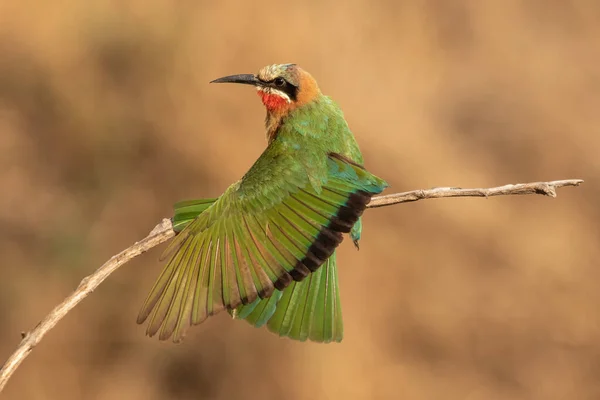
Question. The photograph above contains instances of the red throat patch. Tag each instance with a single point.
(272, 101)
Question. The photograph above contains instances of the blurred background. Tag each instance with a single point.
(107, 119)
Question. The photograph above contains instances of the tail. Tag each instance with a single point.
(309, 309)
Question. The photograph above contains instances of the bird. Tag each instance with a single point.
(265, 250)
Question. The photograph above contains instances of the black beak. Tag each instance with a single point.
(246, 79)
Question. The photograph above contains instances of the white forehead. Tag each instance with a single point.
(271, 72)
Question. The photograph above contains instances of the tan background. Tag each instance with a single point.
(107, 118)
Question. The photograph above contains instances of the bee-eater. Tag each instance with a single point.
(265, 249)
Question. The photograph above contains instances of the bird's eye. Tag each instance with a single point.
(279, 82)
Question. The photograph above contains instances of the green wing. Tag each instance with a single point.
(273, 227)
(311, 306)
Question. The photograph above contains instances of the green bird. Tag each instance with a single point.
(265, 249)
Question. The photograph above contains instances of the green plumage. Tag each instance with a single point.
(264, 250)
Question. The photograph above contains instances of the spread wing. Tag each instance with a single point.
(273, 227)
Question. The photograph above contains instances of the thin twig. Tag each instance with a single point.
(545, 188)
(163, 232)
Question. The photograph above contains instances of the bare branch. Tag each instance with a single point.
(163, 232)
(545, 188)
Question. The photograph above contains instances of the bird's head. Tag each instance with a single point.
(282, 87)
